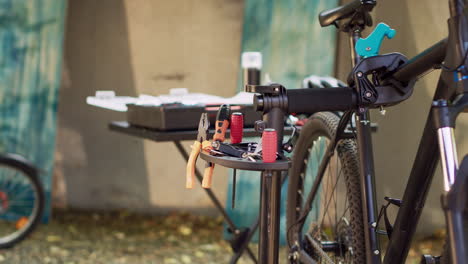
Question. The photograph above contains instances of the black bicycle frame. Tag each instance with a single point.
(426, 161)
(449, 87)
(450, 54)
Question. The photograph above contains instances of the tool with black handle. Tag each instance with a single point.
(221, 125)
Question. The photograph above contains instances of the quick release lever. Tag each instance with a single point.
(370, 46)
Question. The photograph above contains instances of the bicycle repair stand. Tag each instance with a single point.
(272, 101)
(241, 236)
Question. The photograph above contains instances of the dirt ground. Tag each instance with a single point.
(81, 237)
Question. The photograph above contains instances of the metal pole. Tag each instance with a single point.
(364, 141)
(252, 76)
(270, 197)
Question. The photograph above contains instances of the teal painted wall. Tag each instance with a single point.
(290, 38)
(31, 37)
(293, 46)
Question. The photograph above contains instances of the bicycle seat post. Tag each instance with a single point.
(354, 36)
(354, 28)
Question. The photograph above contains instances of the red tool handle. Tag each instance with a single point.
(237, 127)
(269, 145)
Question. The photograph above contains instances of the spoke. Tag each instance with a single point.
(8, 173)
(315, 155)
(302, 187)
(300, 194)
(12, 187)
(327, 187)
(344, 212)
(334, 187)
(335, 194)
(25, 190)
(15, 201)
(16, 207)
(5, 182)
(346, 203)
(13, 214)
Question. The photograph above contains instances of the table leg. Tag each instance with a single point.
(251, 233)
(215, 200)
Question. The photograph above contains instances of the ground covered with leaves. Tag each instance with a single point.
(123, 238)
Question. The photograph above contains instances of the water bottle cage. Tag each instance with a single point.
(374, 88)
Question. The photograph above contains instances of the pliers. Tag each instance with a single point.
(222, 124)
(200, 144)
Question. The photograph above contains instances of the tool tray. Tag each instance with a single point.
(243, 164)
(181, 117)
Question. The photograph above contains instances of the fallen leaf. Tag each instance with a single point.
(52, 238)
(185, 230)
(72, 229)
(119, 235)
(186, 259)
(170, 261)
(209, 247)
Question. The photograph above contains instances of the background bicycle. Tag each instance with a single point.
(21, 199)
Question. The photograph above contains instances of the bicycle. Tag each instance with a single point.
(343, 227)
(21, 199)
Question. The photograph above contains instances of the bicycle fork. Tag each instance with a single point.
(455, 179)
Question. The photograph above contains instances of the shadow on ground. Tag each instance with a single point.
(120, 237)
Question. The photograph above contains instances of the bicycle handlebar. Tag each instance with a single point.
(311, 100)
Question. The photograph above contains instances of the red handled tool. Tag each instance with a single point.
(200, 144)
(222, 124)
(237, 127)
(269, 145)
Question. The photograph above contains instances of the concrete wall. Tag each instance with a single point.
(419, 24)
(134, 47)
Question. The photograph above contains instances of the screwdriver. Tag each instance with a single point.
(233, 195)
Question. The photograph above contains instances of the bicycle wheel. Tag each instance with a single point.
(332, 230)
(21, 199)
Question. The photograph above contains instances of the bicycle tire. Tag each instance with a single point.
(21, 199)
(322, 126)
